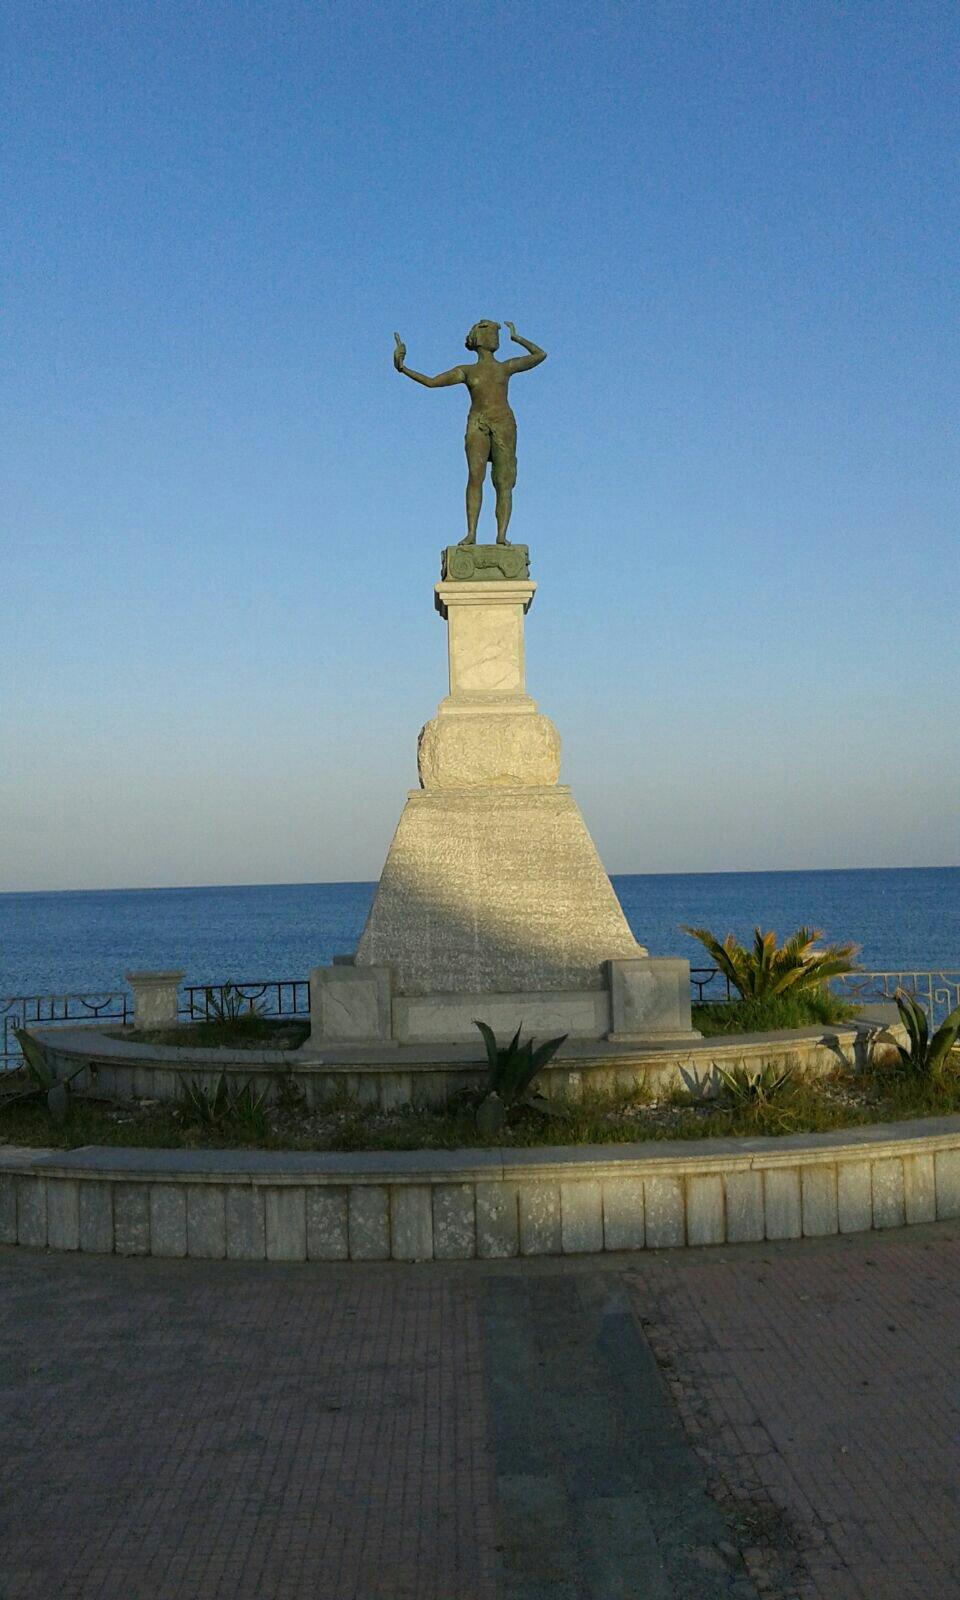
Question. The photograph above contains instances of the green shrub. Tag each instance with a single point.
(925, 1057)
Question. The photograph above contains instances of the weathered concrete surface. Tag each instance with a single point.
(497, 890)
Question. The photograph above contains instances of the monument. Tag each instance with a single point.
(493, 902)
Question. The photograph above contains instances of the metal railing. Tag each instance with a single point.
(271, 997)
(938, 992)
(28, 1010)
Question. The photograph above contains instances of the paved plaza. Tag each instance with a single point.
(745, 1422)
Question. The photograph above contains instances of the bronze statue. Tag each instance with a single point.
(491, 425)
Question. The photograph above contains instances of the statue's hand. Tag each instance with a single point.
(400, 352)
(513, 331)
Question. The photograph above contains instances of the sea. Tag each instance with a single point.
(83, 941)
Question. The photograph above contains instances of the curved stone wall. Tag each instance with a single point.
(424, 1075)
(453, 1205)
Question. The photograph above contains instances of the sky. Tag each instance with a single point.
(734, 228)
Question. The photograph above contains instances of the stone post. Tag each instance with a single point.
(154, 998)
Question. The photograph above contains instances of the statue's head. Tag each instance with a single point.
(483, 336)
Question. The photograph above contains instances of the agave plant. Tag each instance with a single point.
(926, 1056)
(513, 1068)
(44, 1084)
(225, 1004)
(766, 970)
(754, 1088)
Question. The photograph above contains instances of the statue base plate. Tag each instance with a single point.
(465, 563)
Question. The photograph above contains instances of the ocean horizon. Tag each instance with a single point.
(84, 940)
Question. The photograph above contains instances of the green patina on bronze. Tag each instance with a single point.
(484, 563)
(491, 425)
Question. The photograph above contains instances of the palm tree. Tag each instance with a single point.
(765, 970)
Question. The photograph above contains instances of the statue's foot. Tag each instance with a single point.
(470, 539)
(501, 539)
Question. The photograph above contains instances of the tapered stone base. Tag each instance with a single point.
(494, 891)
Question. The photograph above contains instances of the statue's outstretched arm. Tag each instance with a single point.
(443, 380)
(524, 363)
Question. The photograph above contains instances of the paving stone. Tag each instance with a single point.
(854, 1196)
(498, 1232)
(888, 1198)
(63, 1214)
(781, 1202)
(286, 1223)
(743, 1192)
(454, 1222)
(327, 1236)
(245, 1220)
(540, 1233)
(623, 1221)
(581, 1216)
(131, 1219)
(819, 1200)
(411, 1222)
(706, 1223)
(664, 1212)
(369, 1223)
(96, 1217)
(206, 1221)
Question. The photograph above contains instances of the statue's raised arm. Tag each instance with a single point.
(491, 435)
(443, 380)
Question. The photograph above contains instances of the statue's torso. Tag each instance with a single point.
(487, 382)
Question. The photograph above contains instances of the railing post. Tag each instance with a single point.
(155, 998)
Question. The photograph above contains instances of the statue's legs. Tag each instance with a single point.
(504, 474)
(477, 446)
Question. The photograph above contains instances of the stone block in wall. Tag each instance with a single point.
(947, 1168)
(32, 1212)
(411, 1222)
(854, 1197)
(63, 1214)
(96, 1217)
(919, 1188)
(623, 1222)
(454, 1222)
(206, 1221)
(539, 1211)
(245, 1222)
(706, 1222)
(168, 1220)
(285, 1213)
(889, 1210)
(743, 1196)
(327, 1235)
(818, 1197)
(369, 1222)
(581, 1216)
(781, 1203)
(498, 1226)
(664, 1212)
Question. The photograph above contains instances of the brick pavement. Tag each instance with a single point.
(176, 1430)
(820, 1382)
(198, 1433)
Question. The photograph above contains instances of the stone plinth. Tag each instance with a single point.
(155, 998)
(469, 563)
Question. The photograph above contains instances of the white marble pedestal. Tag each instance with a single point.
(493, 902)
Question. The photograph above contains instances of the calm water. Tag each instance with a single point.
(55, 943)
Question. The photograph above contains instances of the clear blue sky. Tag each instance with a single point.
(735, 229)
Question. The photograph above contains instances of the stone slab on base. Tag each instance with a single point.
(494, 891)
(350, 1006)
(650, 996)
(452, 1018)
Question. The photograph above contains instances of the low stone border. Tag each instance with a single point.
(453, 1205)
(427, 1075)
